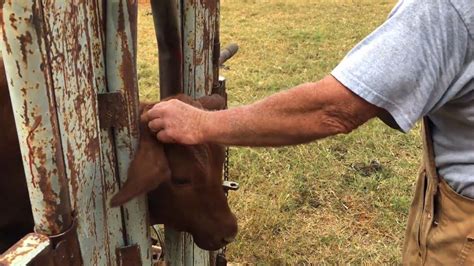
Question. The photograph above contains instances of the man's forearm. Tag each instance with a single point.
(302, 114)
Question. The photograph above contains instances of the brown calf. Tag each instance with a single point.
(184, 183)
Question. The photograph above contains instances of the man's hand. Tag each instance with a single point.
(175, 121)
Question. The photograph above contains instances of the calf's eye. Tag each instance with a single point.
(180, 180)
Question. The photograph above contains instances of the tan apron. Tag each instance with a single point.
(440, 228)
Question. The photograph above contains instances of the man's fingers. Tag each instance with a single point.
(156, 111)
(156, 124)
(163, 136)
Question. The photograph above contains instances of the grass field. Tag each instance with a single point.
(339, 200)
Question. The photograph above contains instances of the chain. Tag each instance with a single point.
(222, 251)
(226, 178)
(226, 164)
(227, 153)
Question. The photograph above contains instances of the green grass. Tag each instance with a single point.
(340, 200)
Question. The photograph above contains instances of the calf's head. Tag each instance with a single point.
(184, 183)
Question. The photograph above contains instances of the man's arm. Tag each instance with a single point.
(305, 113)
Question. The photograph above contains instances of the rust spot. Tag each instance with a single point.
(128, 75)
(56, 212)
(18, 69)
(21, 248)
(129, 255)
(25, 40)
(133, 14)
(73, 180)
(92, 147)
(13, 21)
(51, 214)
(4, 35)
(211, 5)
(29, 141)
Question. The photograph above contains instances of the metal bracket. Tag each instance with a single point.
(221, 89)
(66, 246)
(112, 112)
(227, 53)
(129, 256)
(64, 249)
(230, 185)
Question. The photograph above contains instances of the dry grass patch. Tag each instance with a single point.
(340, 200)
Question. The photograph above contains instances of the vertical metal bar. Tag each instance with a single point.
(215, 81)
(100, 226)
(108, 221)
(199, 20)
(74, 79)
(121, 77)
(28, 69)
(167, 21)
(217, 46)
(189, 45)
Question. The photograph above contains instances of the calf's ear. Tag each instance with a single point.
(208, 102)
(148, 169)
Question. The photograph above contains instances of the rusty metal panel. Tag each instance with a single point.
(100, 227)
(109, 222)
(61, 74)
(71, 60)
(54, 54)
(121, 77)
(27, 250)
(199, 27)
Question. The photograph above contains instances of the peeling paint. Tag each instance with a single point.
(26, 250)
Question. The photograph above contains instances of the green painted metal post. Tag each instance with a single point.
(198, 23)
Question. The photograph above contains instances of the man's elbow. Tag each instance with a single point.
(340, 122)
(336, 126)
(343, 111)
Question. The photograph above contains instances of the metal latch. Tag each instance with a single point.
(230, 185)
(129, 256)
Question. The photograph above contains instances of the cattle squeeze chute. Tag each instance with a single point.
(71, 69)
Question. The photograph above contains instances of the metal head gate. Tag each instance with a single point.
(58, 59)
(71, 68)
(188, 40)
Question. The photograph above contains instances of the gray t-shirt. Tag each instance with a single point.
(420, 62)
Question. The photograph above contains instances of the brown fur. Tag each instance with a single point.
(184, 183)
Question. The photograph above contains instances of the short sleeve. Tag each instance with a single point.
(406, 65)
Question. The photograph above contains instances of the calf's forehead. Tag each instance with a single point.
(188, 160)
